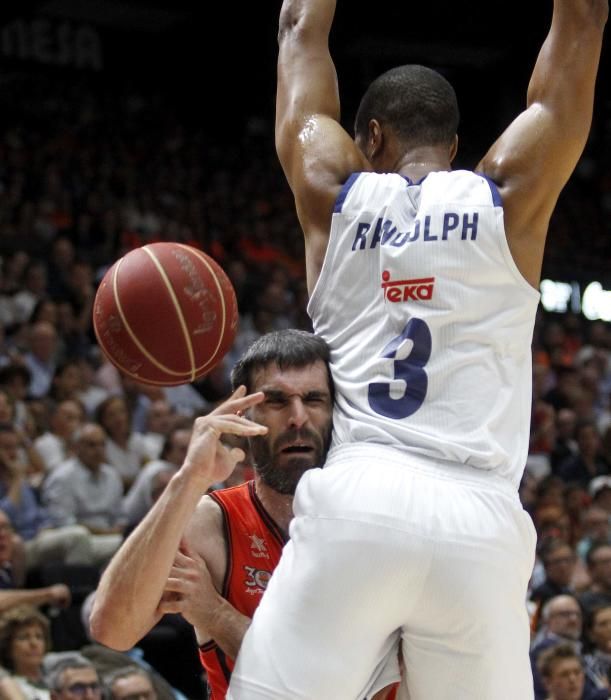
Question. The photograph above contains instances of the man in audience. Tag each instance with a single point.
(562, 672)
(74, 678)
(87, 491)
(40, 358)
(131, 683)
(11, 595)
(594, 529)
(139, 498)
(562, 622)
(44, 543)
(160, 418)
(598, 592)
(55, 445)
(559, 559)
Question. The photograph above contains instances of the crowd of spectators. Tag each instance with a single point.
(85, 176)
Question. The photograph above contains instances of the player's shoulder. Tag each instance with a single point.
(211, 507)
(206, 518)
(465, 186)
(208, 514)
(365, 185)
(233, 495)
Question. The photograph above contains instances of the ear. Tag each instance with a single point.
(454, 148)
(375, 140)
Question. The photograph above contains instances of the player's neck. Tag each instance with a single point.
(418, 163)
(278, 505)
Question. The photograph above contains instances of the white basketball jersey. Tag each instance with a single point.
(428, 319)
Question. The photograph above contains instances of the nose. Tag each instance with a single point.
(298, 414)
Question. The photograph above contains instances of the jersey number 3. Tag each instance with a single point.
(410, 352)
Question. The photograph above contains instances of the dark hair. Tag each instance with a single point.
(288, 348)
(416, 102)
(592, 551)
(168, 442)
(7, 427)
(10, 371)
(102, 407)
(558, 652)
(590, 620)
(549, 545)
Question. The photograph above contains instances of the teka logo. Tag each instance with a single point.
(406, 290)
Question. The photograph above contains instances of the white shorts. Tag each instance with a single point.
(386, 544)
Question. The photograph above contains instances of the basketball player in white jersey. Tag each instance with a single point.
(423, 281)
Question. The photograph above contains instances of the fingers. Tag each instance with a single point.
(237, 454)
(183, 557)
(239, 401)
(176, 585)
(166, 607)
(236, 425)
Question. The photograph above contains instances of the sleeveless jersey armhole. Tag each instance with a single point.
(497, 201)
(329, 253)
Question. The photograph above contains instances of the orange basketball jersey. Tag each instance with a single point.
(254, 544)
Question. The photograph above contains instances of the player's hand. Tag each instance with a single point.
(189, 591)
(207, 457)
(59, 595)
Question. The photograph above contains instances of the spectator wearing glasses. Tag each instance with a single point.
(598, 592)
(559, 559)
(595, 529)
(562, 623)
(130, 683)
(74, 678)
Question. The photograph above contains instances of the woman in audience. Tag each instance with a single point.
(24, 640)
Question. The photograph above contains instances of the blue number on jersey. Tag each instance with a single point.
(414, 349)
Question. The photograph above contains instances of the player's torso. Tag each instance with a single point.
(254, 545)
(428, 319)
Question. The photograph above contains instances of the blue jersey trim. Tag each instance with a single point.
(343, 193)
(496, 195)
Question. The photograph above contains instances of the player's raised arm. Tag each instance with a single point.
(131, 588)
(316, 153)
(533, 159)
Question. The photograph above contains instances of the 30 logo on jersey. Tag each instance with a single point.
(256, 580)
(407, 290)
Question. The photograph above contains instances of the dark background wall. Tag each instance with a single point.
(212, 66)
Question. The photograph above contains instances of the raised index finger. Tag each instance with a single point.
(239, 402)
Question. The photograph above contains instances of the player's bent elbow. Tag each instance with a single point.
(104, 630)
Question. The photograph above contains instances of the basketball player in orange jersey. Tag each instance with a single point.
(233, 537)
(424, 283)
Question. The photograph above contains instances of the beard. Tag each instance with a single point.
(283, 478)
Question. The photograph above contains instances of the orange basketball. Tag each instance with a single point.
(165, 314)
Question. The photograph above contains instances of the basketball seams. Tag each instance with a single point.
(215, 276)
(190, 305)
(177, 308)
(134, 338)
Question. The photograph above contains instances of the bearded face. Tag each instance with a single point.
(280, 462)
(297, 412)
